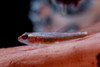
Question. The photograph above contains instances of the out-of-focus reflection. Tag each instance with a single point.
(63, 16)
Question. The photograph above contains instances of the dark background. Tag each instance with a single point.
(14, 22)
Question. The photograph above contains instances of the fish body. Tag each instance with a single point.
(48, 37)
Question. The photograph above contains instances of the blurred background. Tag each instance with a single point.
(20, 16)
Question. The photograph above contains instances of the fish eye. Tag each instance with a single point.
(25, 36)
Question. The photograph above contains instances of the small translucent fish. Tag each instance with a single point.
(48, 37)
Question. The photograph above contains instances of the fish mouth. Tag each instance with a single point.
(22, 40)
(19, 38)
